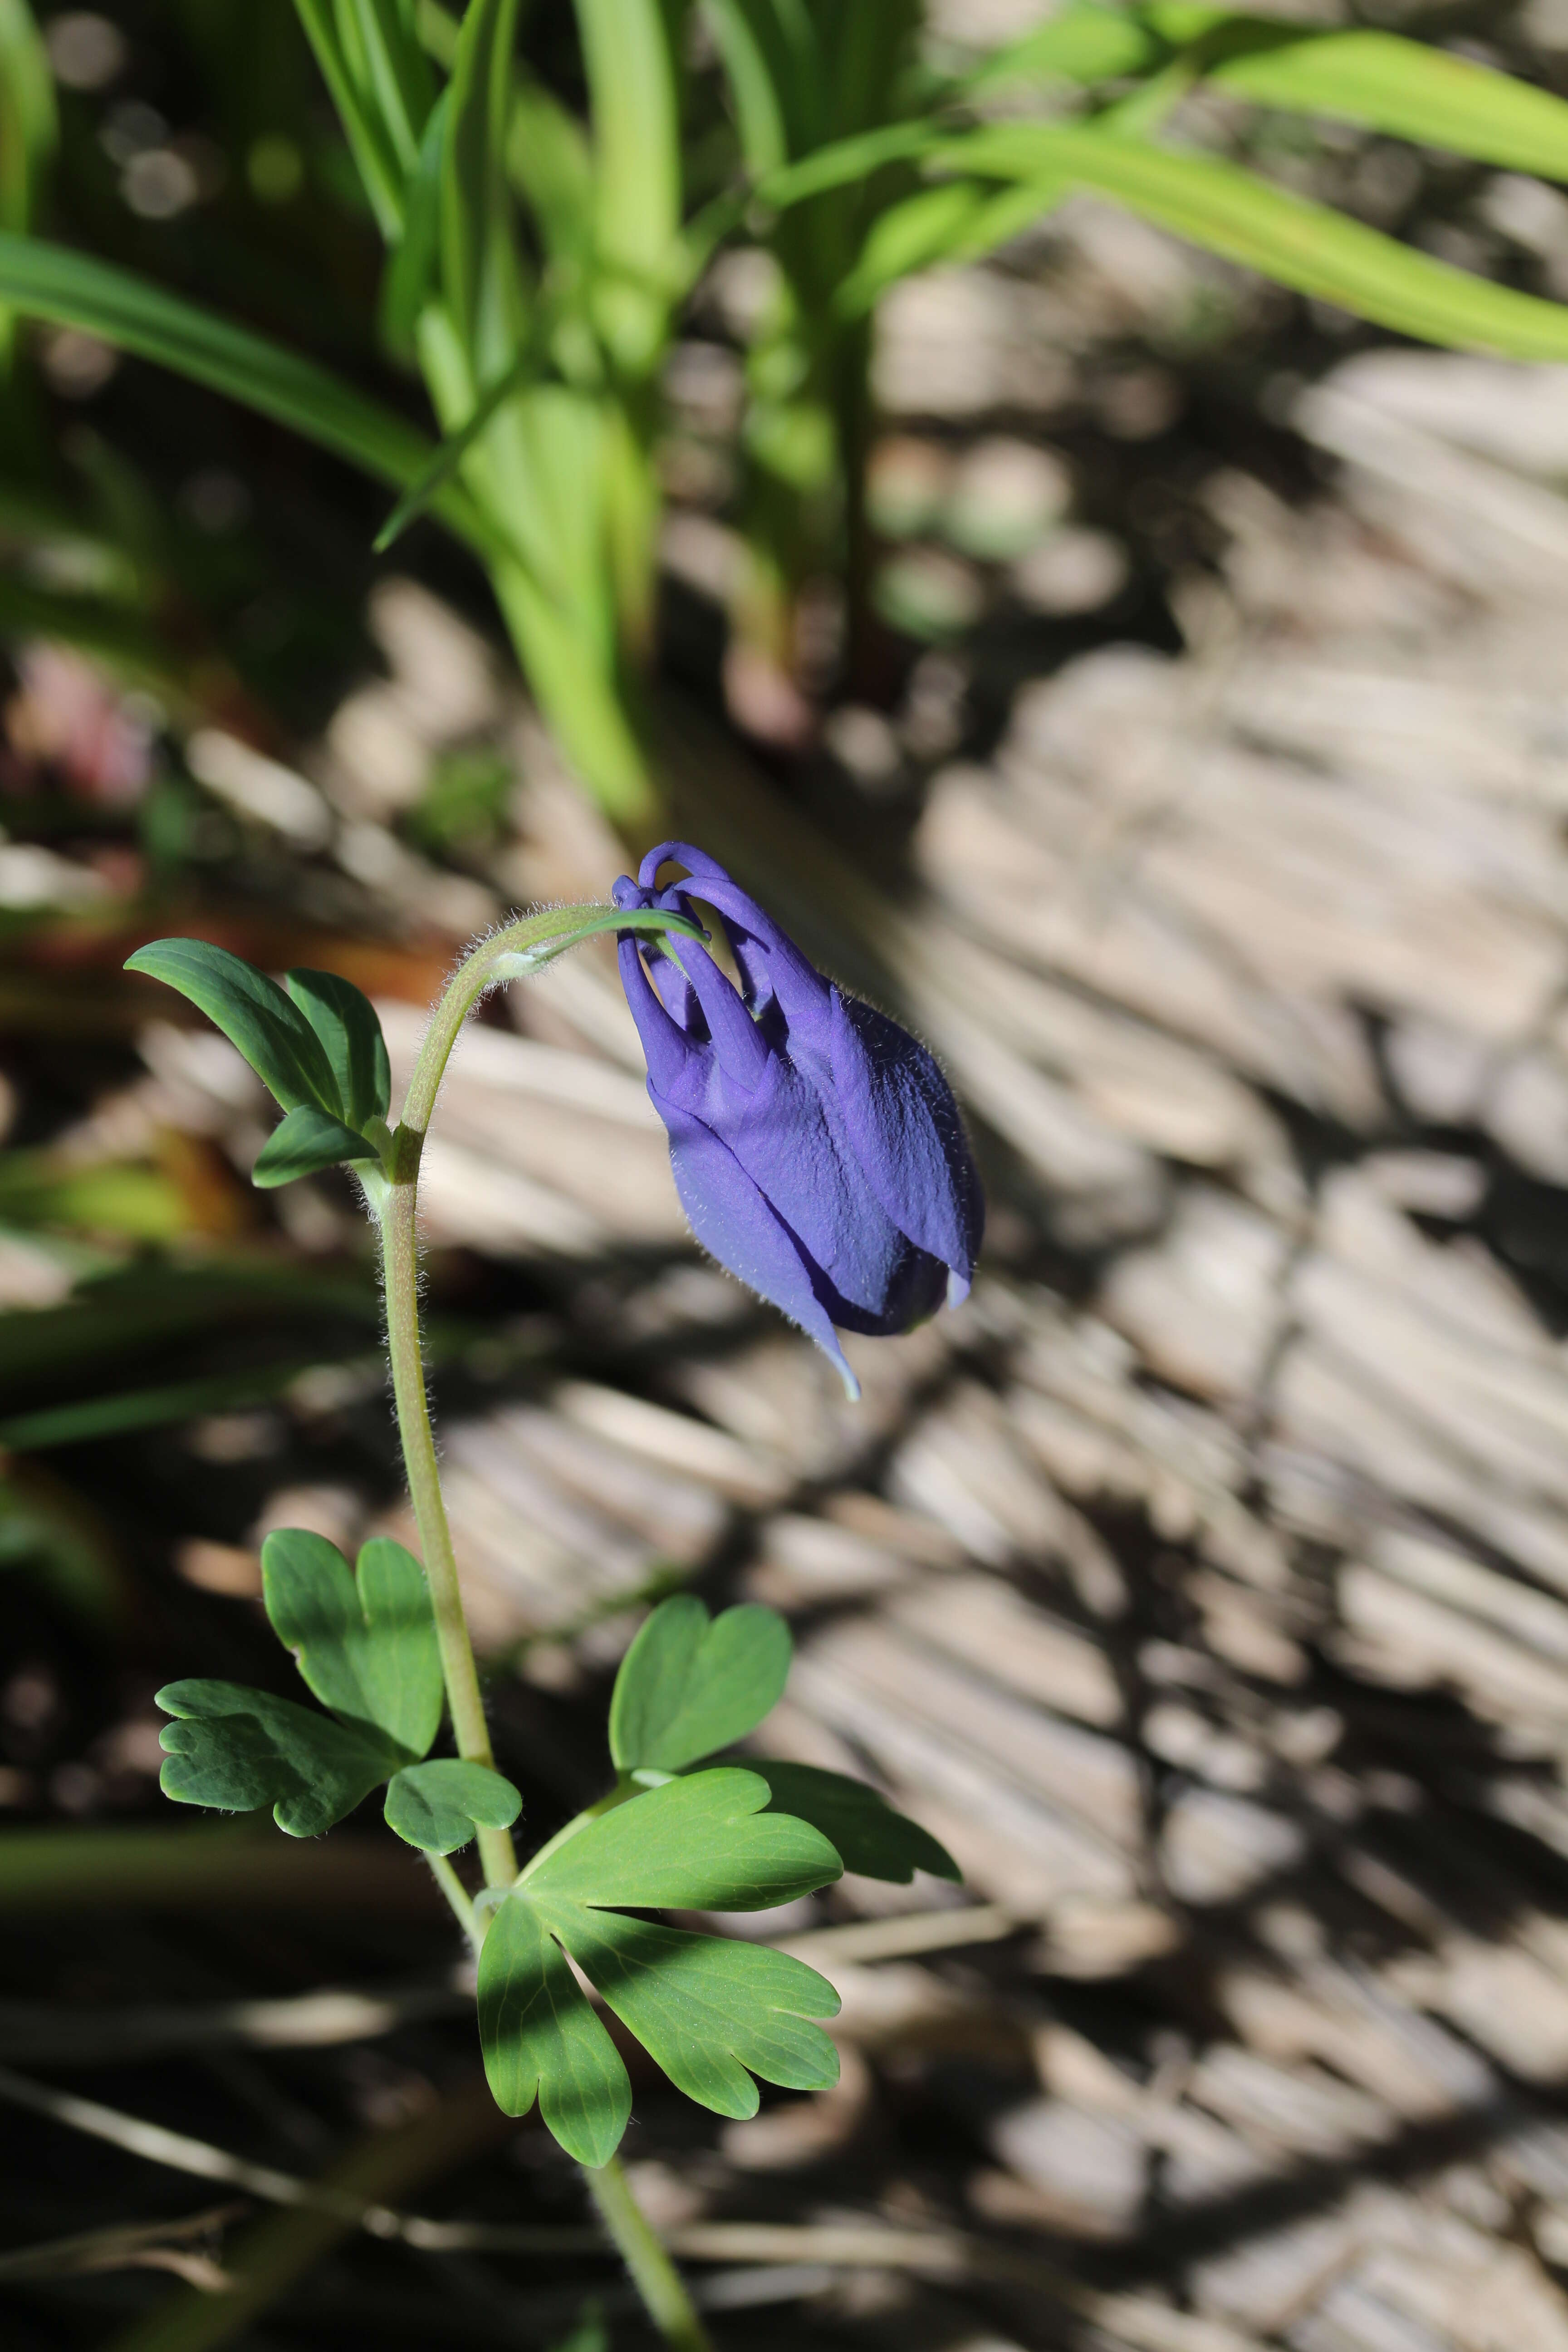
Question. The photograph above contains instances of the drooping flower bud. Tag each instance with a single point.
(816, 1147)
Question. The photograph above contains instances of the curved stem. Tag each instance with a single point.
(521, 947)
(654, 2276)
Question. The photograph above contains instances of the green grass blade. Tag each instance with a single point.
(399, 78)
(1082, 45)
(773, 67)
(472, 175)
(1299, 244)
(29, 129)
(1381, 80)
(550, 166)
(637, 170)
(374, 157)
(849, 160)
(450, 454)
(73, 289)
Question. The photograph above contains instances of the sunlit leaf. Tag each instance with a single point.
(713, 2014)
(1248, 220)
(440, 1805)
(700, 1843)
(690, 1686)
(1085, 45)
(1405, 89)
(366, 1643)
(237, 1749)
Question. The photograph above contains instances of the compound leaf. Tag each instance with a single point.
(303, 1142)
(689, 1684)
(350, 1033)
(438, 1806)
(870, 1838)
(254, 1014)
(365, 1643)
(711, 2013)
(541, 2039)
(239, 1749)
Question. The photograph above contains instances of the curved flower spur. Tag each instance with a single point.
(816, 1147)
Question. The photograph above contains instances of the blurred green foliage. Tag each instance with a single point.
(514, 206)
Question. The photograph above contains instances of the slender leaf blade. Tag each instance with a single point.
(1088, 44)
(542, 2040)
(690, 1686)
(1302, 245)
(74, 289)
(440, 1805)
(1384, 81)
(369, 143)
(254, 1014)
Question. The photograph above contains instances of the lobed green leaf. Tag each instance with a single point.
(438, 1806)
(869, 1836)
(712, 2014)
(239, 1750)
(542, 2040)
(700, 1843)
(365, 1643)
(690, 1686)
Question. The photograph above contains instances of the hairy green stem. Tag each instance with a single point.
(654, 2276)
(521, 947)
(400, 1257)
(456, 1895)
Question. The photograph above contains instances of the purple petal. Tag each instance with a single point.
(903, 1125)
(733, 1221)
(770, 963)
(738, 1043)
(668, 1049)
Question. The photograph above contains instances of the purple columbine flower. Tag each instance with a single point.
(816, 1147)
